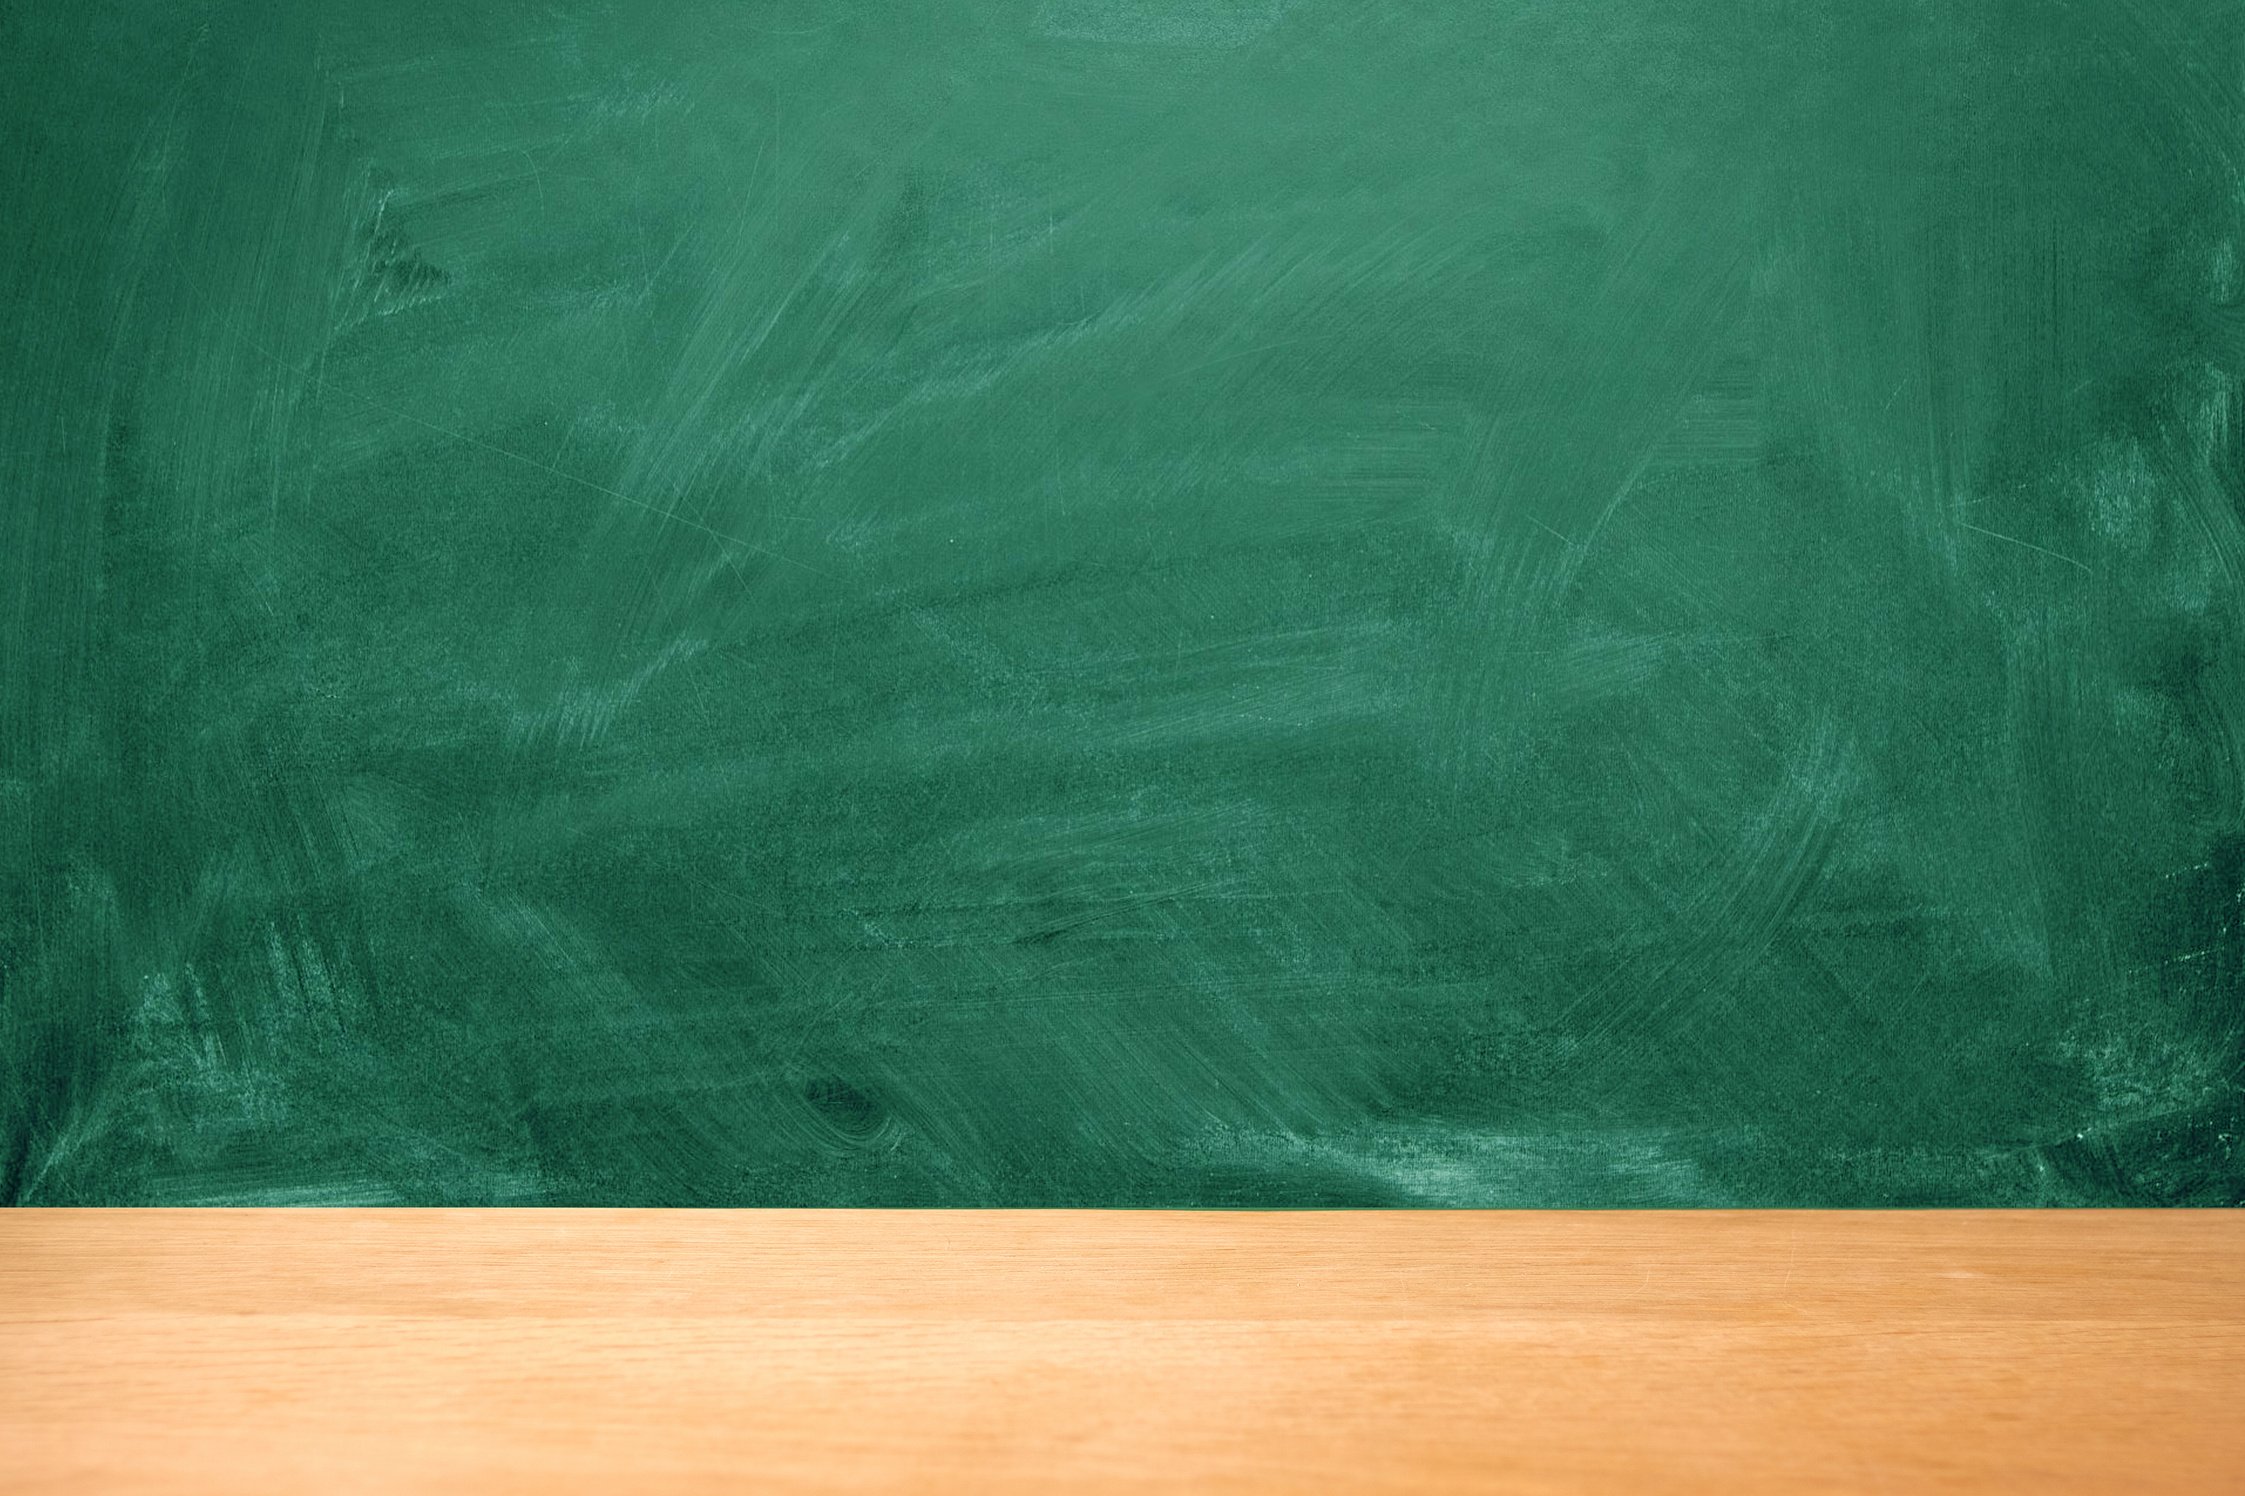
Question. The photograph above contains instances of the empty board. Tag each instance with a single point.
(1122, 602)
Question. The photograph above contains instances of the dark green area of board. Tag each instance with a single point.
(1122, 602)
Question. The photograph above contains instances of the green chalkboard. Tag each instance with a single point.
(1122, 602)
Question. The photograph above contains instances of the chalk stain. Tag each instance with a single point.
(669, 516)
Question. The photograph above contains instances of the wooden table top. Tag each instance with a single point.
(988, 1351)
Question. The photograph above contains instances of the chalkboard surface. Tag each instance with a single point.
(1120, 602)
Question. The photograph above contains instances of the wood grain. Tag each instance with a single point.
(971, 1351)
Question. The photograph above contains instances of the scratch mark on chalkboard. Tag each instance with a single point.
(2027, 544)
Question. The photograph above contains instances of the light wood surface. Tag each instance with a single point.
(626, 1351)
